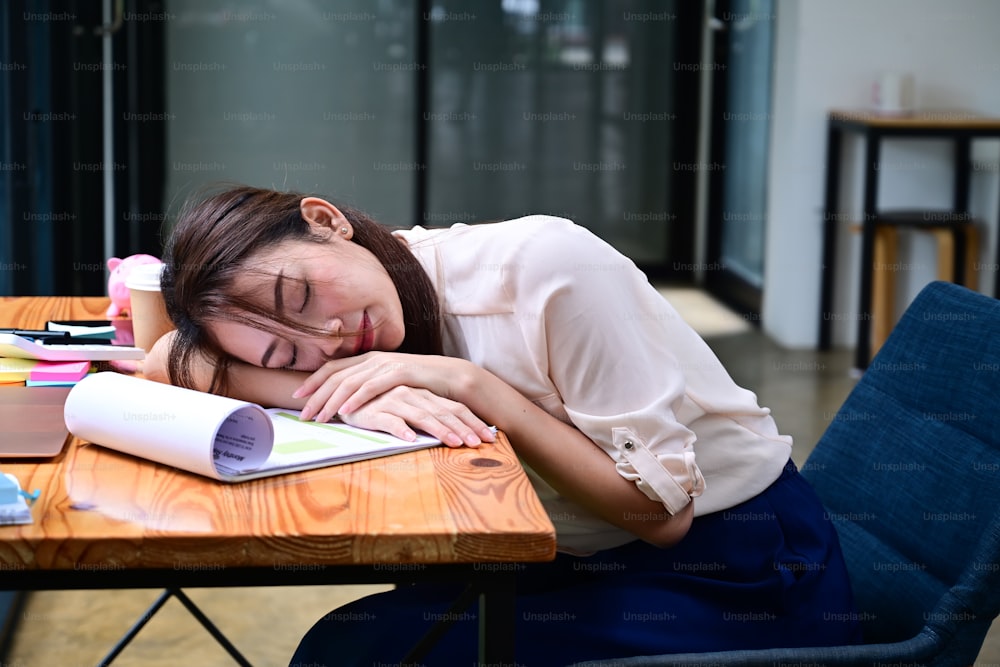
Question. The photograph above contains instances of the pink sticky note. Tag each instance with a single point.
(63, 371)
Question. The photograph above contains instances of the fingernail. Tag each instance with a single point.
(487, 435)
(472, 440)
(454, 439)
(297, 393)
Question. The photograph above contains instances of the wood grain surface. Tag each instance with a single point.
(100, 509)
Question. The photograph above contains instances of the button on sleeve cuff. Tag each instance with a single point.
(672, 479)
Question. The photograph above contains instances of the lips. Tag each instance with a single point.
(367, 338)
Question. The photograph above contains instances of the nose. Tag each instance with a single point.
(332, 341)
(328, 346)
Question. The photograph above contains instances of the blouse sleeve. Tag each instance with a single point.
(618, 354)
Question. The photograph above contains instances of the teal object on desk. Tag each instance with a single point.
(11, 491)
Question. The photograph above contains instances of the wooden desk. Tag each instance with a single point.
(957, 125)
(108, 520)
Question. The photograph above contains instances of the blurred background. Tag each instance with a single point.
(418, 111)
(688, 133)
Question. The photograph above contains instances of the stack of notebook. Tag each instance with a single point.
(59, 355)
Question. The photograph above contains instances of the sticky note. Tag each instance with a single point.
(15, 370)
(8, 490)
(59, 371)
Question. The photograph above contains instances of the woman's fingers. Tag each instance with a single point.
(328, 386)
(385, 423)
(343, 385)
(321, 375)
(404, 408)
(358, 386)
(394, 393)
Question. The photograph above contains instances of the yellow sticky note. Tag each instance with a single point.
(15, 370)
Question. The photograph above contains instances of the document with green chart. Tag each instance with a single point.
(215, 436)
(298, 442)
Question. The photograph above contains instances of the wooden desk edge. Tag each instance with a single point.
(144, 547)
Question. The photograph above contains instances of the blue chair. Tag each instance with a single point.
(909, 471)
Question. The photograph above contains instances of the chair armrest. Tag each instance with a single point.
(923, 647)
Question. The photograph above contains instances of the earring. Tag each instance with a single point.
(344, 231)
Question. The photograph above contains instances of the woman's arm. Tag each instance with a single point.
(450, 421)
(264, 386)
(379, 384)
(571, 463)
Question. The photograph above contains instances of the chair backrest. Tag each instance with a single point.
(909, 471)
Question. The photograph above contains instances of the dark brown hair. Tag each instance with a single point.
(210, 246)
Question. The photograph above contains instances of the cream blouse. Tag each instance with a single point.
(575, 327)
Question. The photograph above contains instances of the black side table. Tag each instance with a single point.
(960, 126)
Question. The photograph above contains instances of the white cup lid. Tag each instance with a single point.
(145, 277)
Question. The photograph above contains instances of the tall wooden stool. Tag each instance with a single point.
(957, 240)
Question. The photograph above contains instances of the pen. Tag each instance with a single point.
(74, 340)
(35, 333)
(55, 337)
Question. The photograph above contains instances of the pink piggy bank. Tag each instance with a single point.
(120, 268)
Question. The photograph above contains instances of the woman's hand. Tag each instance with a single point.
(401, 408)
(394, 392)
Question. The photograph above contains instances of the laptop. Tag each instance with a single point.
(32, 422)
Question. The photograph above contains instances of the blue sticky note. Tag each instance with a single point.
(8, 490)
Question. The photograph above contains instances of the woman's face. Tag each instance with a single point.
(335, 286)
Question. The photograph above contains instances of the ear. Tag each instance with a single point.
(321, 214)
(113, 263)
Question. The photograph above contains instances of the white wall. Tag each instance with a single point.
(826, 56)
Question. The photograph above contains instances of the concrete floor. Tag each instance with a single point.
(804, 389)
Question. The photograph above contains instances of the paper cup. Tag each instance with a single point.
(892, 93)
(149, 314)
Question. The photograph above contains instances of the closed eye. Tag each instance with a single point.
(291, 364)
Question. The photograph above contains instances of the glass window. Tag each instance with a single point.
(309, 96)
(561, 107)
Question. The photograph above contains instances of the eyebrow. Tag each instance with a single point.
(279, 296)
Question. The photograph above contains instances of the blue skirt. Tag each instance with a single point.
(766, 573)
